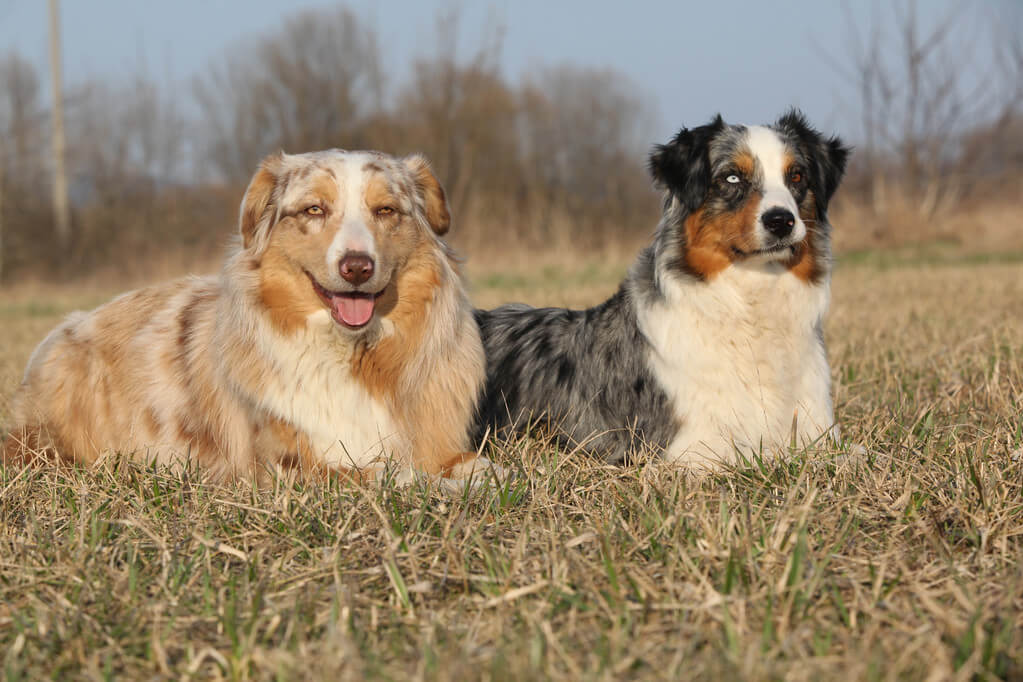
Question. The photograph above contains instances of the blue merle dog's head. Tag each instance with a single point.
(750, 195)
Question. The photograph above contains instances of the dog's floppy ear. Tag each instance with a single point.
(258, 210)
(428, 187)
(827, 156)
(683, 165)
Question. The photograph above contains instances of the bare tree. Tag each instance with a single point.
(308, 86)
(20, 113)
(20, 138)
(125, 138)
(583, 133)
(461, 115)
(995, 148)
(921, 89)
(562, 151)
(559, 155)
(126, 148)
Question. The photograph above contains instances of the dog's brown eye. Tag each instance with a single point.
(385, 211)
(796, 177)
(314, 210)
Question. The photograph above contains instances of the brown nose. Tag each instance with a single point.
(356, 267)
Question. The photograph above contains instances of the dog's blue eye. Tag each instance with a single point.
(733, 179)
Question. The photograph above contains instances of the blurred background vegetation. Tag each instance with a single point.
(552, 160)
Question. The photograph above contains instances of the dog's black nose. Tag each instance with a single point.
(356, 267)
(779, 222)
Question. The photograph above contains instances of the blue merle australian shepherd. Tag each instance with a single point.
(712, 347)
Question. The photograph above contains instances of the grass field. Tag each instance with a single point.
(898, 557)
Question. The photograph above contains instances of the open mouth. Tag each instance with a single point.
(352, 309)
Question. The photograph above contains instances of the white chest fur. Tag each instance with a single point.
(313, 389)
(741, 359)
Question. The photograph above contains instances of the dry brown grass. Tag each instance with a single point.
(899, 557)
(980, 225)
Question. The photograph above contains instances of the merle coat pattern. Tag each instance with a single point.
(587, 375)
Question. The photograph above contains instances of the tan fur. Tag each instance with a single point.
(379, 194)
(429, 406)
(199, 368)
(257, 199)
(436, 203)
(745, 163)
(710, 239)
(805, 264)
(284, 291)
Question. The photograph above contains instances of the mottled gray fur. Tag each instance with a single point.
(584, 374)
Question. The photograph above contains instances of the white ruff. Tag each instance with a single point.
(312, 388)
(739, 358)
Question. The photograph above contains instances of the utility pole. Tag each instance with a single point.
(61, 210)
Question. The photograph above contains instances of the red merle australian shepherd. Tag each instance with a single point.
(337, 337)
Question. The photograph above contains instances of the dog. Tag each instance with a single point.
(337, 337)
(712, 349)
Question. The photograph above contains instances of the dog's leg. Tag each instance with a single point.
(469, 465)
(28, 445)
(352, 476)
(13, 453)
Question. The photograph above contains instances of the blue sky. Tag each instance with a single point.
(747, 59)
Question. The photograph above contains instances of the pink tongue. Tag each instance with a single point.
(353, 310)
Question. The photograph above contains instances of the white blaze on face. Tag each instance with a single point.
(770, 152)
(353, 235)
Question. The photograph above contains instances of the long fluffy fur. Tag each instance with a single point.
(246, 372)
(708, 349)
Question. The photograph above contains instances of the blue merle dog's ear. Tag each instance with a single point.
(826, 156)
(683, 165)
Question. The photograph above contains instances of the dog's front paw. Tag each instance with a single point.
(476, 474)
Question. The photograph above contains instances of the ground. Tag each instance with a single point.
(896, 555)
